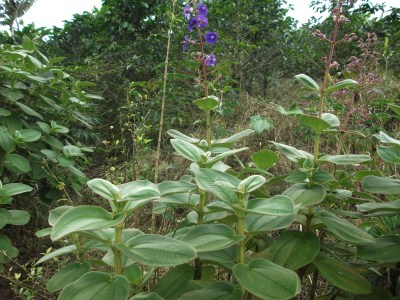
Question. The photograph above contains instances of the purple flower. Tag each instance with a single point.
(185, 43)
(201, 21)
(210, 60)
(211, 37)
(187, 11)
(202, 9)
(192, 23)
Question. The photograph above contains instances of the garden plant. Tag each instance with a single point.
(242, 228)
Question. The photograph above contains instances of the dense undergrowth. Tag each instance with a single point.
(258, 163)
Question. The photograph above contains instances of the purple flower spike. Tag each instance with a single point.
(210, 60)
(201, 21)
(211, 37)
(202, 9)
(192, 23)
(185, 43)
(187, 10)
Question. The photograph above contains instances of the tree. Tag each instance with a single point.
(11, 10)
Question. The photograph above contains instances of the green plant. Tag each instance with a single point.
(10, 217)
(40, 103)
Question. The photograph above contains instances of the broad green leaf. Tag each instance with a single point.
(181, 199)
(12, 189)
(28, 135)
(183, 137)
(19, 217)
(172, 187)
(97, 286)
(297, 177)
(53, 142)
(44, 127)
(224, 155)
(175, 282)
(224, 257)
(64, 162)
(76, 172)
(58, 252)
(303, 193)
(377, 293)
(278, 205)
(72, 151)
(133, 273)
(157, 250)
(67, 275)
(381, 185)
(29, 111)
(7, 142)
(307, 82)
(386, 250)
(147, 296)
(392, 207)
(342, 275)
(344, 229)
(294, 249)
(395, 108)
(384, 138)
(322, 177)
(233, 138)
(215, 291)
(35, 61)
(143, 190)
(55, 60)
(104, 188)
(36, 78)
(4, 112)
(389, 154)
(43, 232)
(188, 151)
(264, 159)
(17, 163)
(260, 124)
(339, 194)
(292, 153)
(261, 223)
(206, 180)
(348, 159)
(344, 84)
(5, 217)
(251, 183)
(12, 94)
(58, 128)
(331, 119)
(267, 280)
(7, 248)
(207, 103)
(293, 110)
(313, 122)
(56, 213)
(210, 237)
(83, 218)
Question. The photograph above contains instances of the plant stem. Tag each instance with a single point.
(200, 216)
(325, 81)
(240, 231)
(316, 146)
(314, 285)
(205, 82)
(160, 130)
(242, 244)
(117, 253)
(200, 209)
(208, 124)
